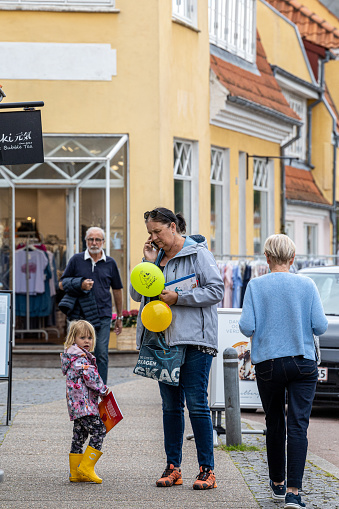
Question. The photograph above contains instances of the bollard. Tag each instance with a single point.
(232, 397)
(1, 475)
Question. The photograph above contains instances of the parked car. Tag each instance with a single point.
(327, 281)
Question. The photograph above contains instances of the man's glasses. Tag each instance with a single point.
(91, 239)
(153, 213)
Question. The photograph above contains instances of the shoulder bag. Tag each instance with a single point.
(157, 359)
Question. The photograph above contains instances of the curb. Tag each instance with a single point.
(317, 461)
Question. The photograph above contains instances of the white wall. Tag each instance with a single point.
(300, 216)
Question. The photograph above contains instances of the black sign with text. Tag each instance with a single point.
(21, 137)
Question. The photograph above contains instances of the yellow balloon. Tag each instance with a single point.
(156, 316)
(147, 279)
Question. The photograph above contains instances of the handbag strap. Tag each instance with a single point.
(148, 299)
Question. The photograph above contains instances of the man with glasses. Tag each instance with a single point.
(87, 281)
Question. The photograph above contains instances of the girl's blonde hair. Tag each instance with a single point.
(79, 327)
(280, 248)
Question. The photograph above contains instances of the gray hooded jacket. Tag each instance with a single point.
(194, 316)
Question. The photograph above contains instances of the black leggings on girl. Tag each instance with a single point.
(84, 426)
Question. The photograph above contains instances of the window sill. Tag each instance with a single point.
(185, 24)
(57, 8)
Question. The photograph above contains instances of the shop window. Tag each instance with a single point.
(299, 106)
(217, 202)
(311, 239)
(232, 26)
(185, 10)
(58, 4)
(260, 201)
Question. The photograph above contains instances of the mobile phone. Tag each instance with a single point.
(153, 244)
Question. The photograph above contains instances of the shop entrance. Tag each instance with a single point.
(45, 210)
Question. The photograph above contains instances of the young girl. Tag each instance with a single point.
(83, 387)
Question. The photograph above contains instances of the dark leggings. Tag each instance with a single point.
(84, 426)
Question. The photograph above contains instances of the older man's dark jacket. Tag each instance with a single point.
(79, 304)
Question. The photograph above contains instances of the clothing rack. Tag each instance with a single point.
(28, 329)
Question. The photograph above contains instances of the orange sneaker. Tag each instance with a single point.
(205, 480)
(170, 477)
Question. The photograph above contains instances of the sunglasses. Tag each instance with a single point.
(91, 239)
(153, 214)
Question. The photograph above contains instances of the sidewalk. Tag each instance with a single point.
(34, 457)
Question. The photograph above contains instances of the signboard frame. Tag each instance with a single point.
(229, 335)
(21, 137)
(6, 340)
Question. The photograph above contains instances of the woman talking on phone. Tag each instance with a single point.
(195, 324)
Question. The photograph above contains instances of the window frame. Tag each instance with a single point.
(314, 240)
(191, 5)
(299, 105)
(221, 180)
(290, 229)
(237, 20)
(191, 177)
(263, 182)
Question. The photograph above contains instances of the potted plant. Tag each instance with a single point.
(125, 340)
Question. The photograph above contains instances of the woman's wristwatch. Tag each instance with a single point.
(120, 317)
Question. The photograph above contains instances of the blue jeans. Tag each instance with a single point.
(193, 383)
(298, 376)
(101, 347)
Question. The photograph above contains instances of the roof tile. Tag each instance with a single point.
(311, 26)
(300, 185)
(261, 89)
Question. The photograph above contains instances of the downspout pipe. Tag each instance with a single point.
(334, 201)
(315, 103)
(283, 178)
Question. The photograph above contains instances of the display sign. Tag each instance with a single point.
(21, 137)
(229, 335)
(5, 304)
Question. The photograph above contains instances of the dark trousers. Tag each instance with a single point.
(193, 383)
(101, 347)
(298, 376)
(84, 426)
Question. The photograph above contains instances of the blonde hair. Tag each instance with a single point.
(79, 327)
(280, 248)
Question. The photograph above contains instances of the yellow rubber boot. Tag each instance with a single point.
(74, 461)
(88, 462)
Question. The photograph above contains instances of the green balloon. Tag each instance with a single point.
(147, 279)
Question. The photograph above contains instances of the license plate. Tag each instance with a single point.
(322, 374)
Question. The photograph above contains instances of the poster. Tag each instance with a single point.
(229, 335)
(4, 333)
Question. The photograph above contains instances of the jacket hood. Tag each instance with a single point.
(70, 354)
(199, 242)
(198, 238)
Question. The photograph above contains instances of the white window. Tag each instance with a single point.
(186, 182)
(311, 238)
(185, 10)
(299, 106)
(60, 4)
(219, 202)
(232, 26)
(289, 229)
(260, 211)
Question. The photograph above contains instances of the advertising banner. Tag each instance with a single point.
(21, 137)
(229, 335)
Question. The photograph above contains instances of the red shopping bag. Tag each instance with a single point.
(110, 412)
